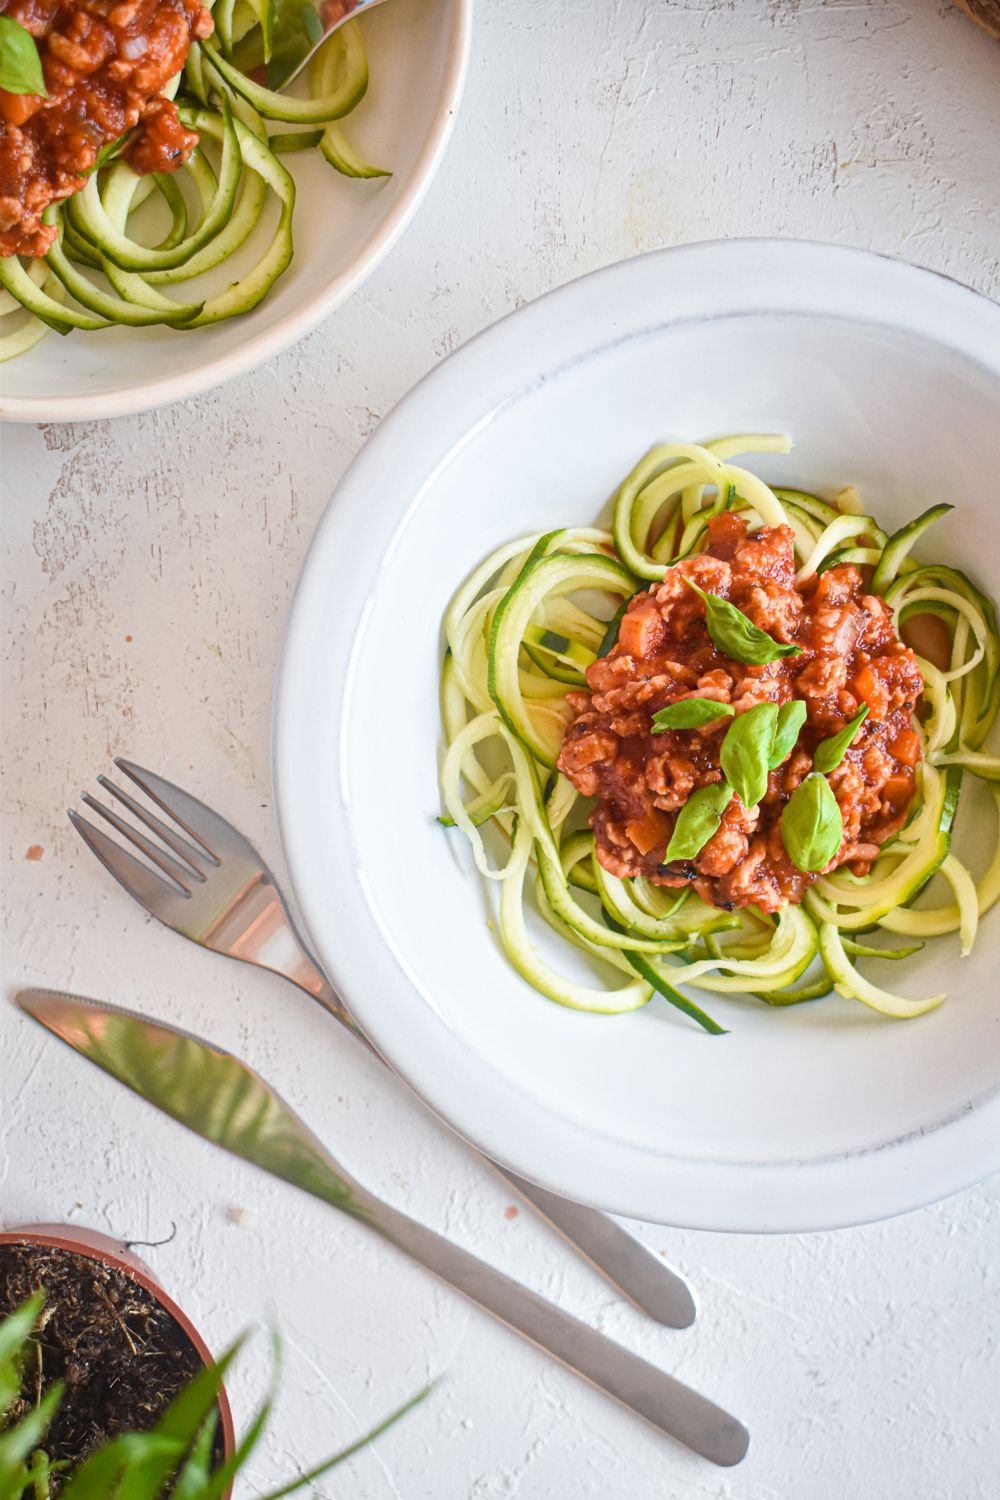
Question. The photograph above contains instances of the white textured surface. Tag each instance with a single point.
(147, 569)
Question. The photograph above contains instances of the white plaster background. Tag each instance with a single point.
(148, 565)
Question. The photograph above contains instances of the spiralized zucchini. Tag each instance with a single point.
(520, 634)
(123, 238)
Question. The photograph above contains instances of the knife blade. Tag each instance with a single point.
(226, 1102)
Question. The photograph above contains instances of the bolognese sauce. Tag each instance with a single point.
(105, 63)
(850, 656)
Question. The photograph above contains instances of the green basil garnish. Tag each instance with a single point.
(745, 756)
(697, 821)
(811, 826)
(829, 753)
(20, 65)
(689, 713)
(736, 636)
(791, 717)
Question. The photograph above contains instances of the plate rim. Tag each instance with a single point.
(843, 1190)
(295, 325)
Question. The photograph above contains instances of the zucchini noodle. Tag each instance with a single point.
(521, 632)
(112, 253)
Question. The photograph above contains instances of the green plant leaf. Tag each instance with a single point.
(20, 65)
(812, 828)
(134, 1466)
(690, 713)
(171, 1462)
(736, 636)
(19, 1442)
(15, 1331)
(194, 1478)
(830, 752)
(745, 755)
(224, 1475)
(187, 1412)
(362, 1442)
(151, 1459)
(791, 717)
(697, 821)
(40, 1472)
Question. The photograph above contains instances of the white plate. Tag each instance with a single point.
(418, 53)
(816, 1116)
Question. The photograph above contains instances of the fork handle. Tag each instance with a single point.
(629, 1265)
(304, 972)
(645, 1278)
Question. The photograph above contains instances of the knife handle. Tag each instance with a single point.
(673, 1408)
(629, 1265)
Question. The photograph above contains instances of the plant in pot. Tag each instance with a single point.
(107, 1391)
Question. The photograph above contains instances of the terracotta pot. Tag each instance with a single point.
(985, 13)
(113, 1253)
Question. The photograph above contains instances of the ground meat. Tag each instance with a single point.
(104, 62)
(850, 655)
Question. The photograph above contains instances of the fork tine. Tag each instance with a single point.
(180, 847)
(181, 876)
(197, 820)
(148, 888)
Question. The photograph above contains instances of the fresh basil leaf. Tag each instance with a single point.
(697, 821)
(829, 753)
(689, 713)
(736, 636)
(20, 65)
(791, 717)
(745, 756)
(812, 828)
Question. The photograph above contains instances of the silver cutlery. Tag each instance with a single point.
(300, 27)
(213, 888)
(226, 1102)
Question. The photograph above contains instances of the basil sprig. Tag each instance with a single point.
(20, 65)
(829, 753)
(791, 717)
(812, 828)
(697, 820)
(756, 743)
(738, 637)
(745, 756)
(690, 713)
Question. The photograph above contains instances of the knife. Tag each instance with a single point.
(228, 1103)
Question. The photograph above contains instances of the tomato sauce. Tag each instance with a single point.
(105, 62)
(850, 655)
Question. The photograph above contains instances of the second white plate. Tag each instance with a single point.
(418, 53)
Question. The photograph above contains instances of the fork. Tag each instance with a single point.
(301, 28)
(208, 883)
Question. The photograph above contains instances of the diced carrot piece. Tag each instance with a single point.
(897, 790)
(870, 689)
(642, 629)
(651, 829)
(863, 683)
(16, 108)
(906, 746)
